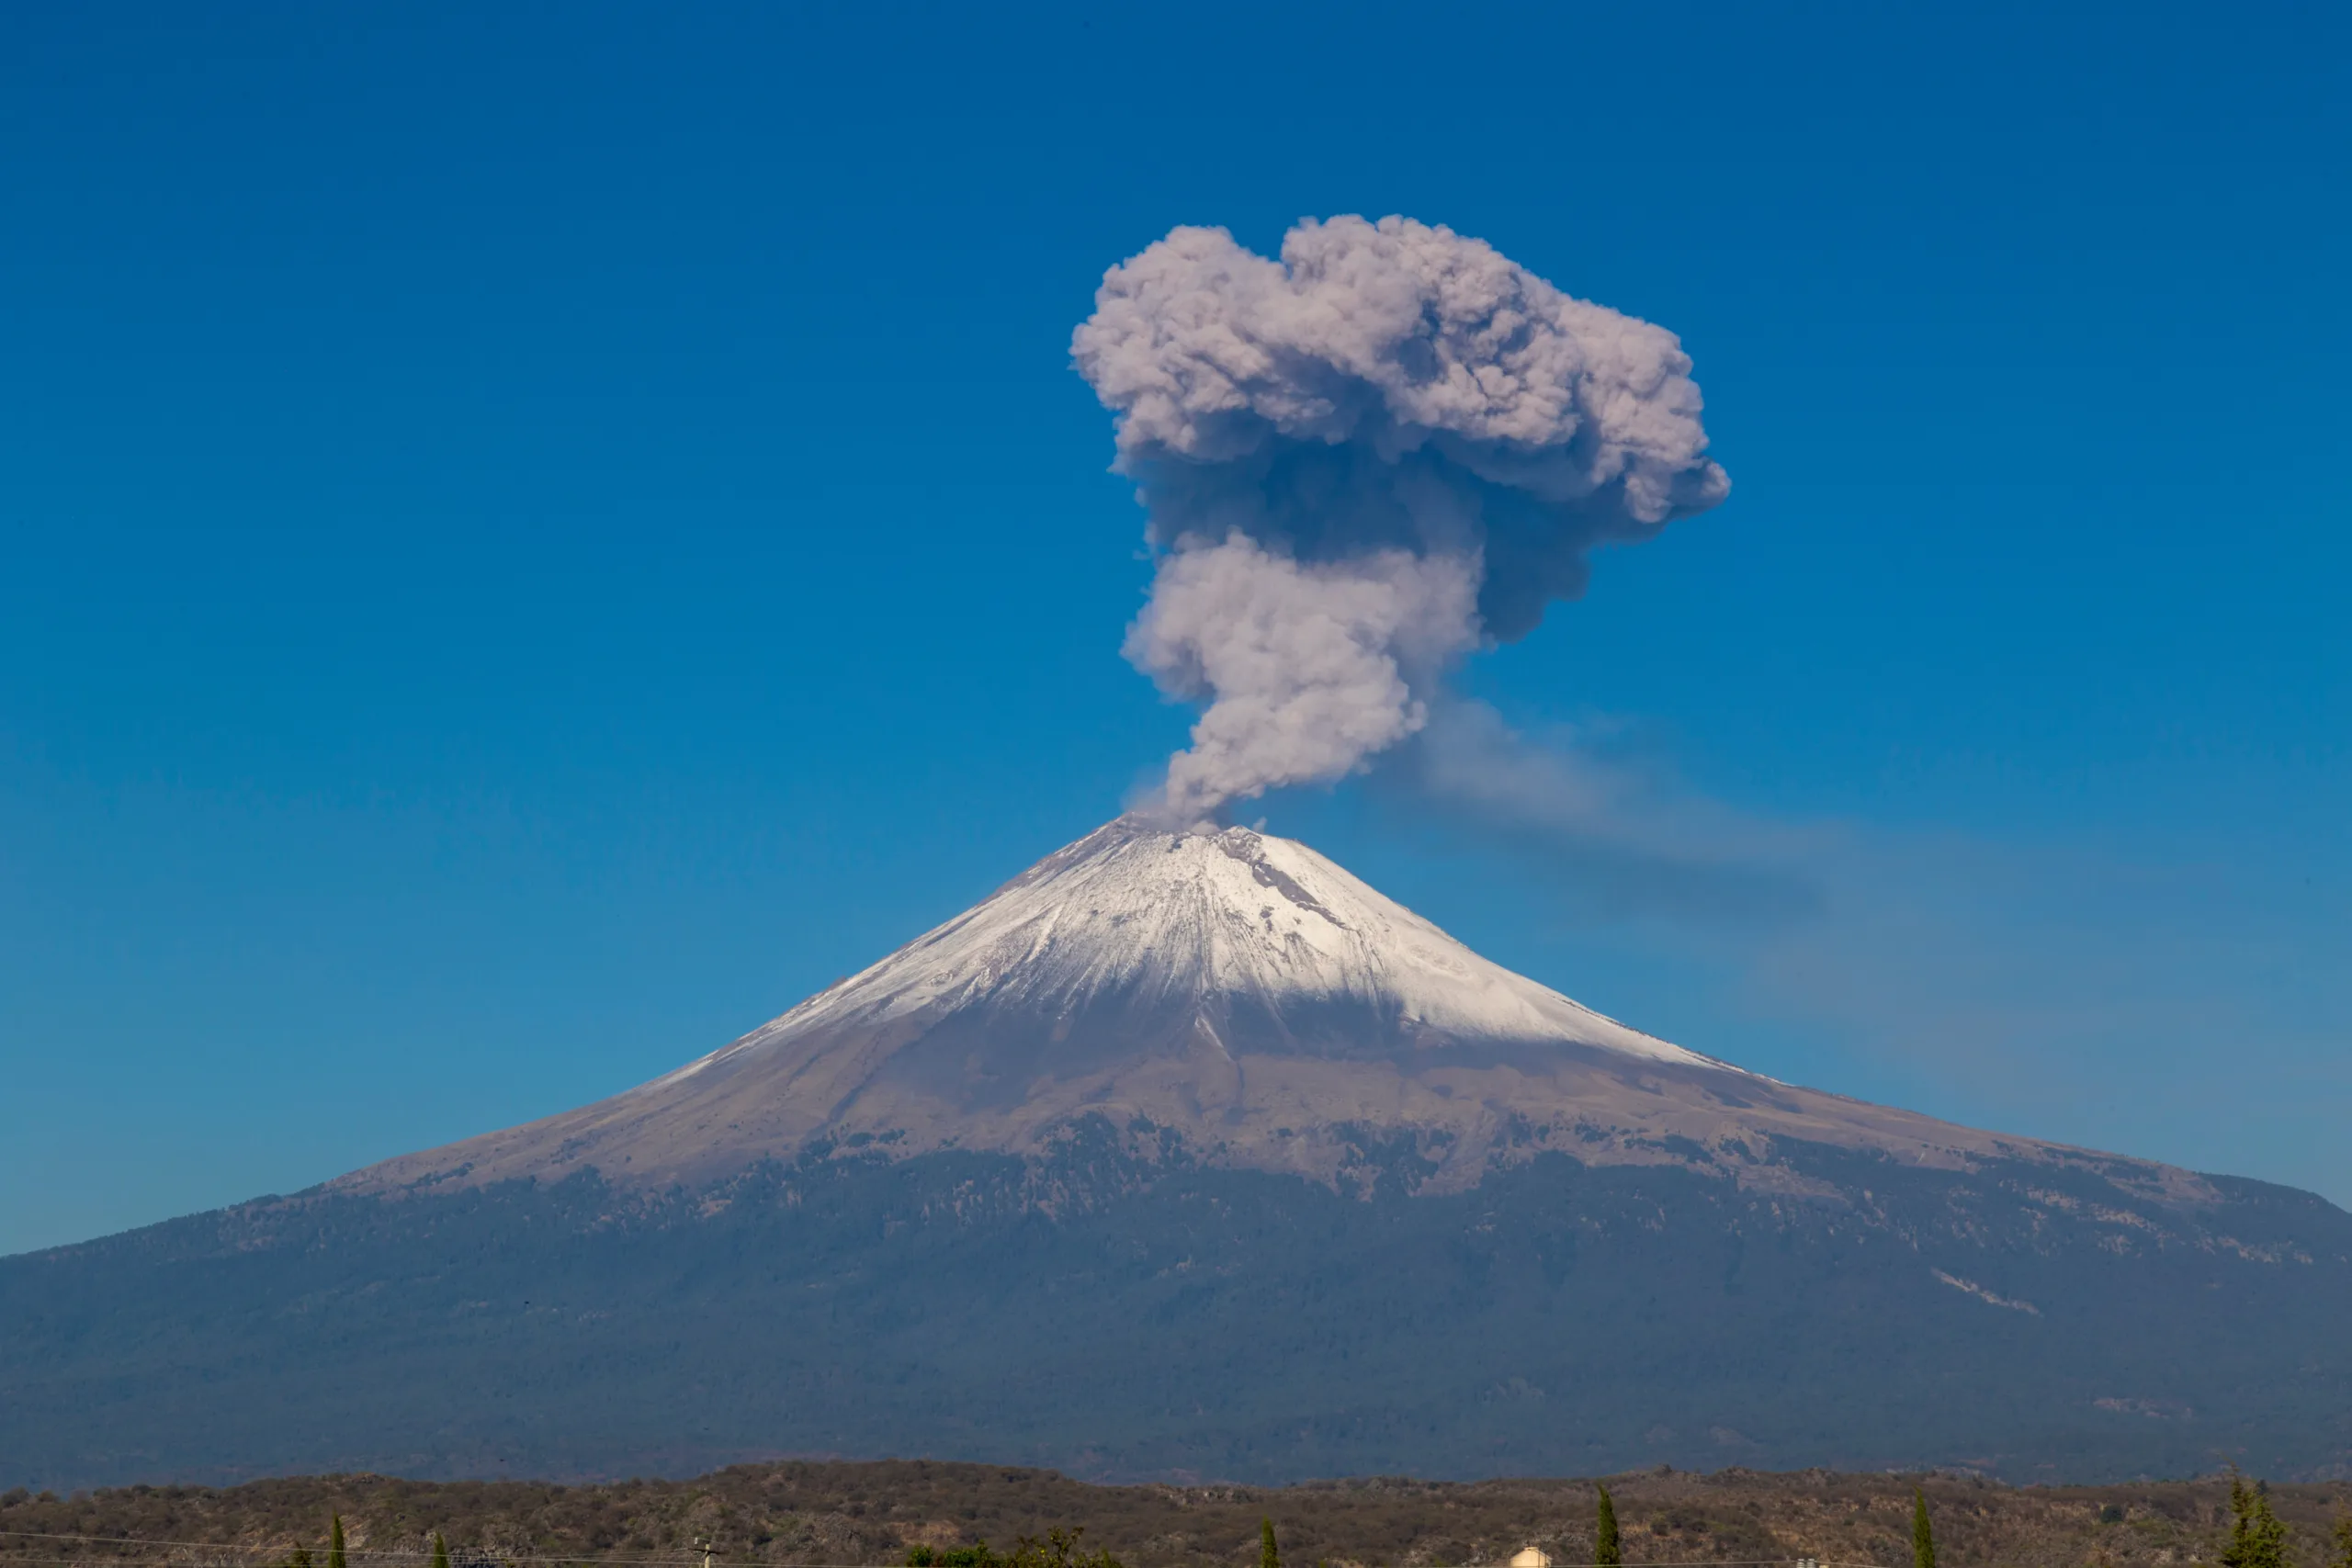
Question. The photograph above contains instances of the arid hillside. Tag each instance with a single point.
(803, 1513)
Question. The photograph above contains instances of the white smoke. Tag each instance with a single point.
(1359, 460)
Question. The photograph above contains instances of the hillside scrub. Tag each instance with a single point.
(902, 1511)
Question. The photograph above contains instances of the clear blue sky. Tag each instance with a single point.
(535, 535)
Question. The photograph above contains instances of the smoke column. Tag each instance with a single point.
(1360, 462)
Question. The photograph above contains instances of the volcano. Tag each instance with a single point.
(1230, 994)
(1188, 1154)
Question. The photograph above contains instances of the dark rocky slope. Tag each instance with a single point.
(1118, 1317)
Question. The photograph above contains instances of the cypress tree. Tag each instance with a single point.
(2258, 1539)
(1923, 1535)
(334, 1544)
(1268, 1556)
(440, 1552)
(1606, 1551)
(2269, 1533)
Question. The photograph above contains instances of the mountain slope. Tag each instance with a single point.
(1118, 1319)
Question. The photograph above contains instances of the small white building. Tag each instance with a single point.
(1532, 1557)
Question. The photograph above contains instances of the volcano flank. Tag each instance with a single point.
(1186, 1152)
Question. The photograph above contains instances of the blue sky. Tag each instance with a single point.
(536, 536)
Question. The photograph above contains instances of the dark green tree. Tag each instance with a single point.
(1923, 1535)
(299, 1558)
(1269, 1555)
(976, 1555)
(335, 1558)
(1607, 1553)
(440, 1552)
(2256, 1538)
(2343, 1558)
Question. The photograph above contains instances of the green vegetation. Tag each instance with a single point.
(1056, 1549)
(1606, 1551)
(1269, 1556)
(2343, 1557)
(2256, 1538)
(1060, 1549)
(1923, 1535)
(976, 1555)
(440, 1552)
(335, 1558)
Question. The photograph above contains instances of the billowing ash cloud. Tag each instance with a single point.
(1360, 461)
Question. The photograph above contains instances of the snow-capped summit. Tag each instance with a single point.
(1228, 994)
(1138, 936)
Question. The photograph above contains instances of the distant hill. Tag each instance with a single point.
(1191, 1154)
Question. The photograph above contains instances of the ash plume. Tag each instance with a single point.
(1360, 461)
